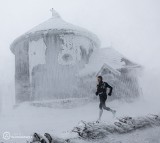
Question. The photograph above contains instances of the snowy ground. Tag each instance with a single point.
(26, 119)
(142, 136)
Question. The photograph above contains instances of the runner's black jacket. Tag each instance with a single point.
(102, 88)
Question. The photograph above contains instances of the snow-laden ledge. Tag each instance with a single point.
(93, 131)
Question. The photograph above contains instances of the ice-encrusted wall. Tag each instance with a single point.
(22, 82)
(36, 54)
(74, 49)
(54, 71)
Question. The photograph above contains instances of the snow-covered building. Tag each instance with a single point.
(52, 58)
(121, 73)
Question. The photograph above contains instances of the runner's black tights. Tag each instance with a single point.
(102, 104)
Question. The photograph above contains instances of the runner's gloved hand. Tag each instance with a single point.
(109, 94)
(96, 93)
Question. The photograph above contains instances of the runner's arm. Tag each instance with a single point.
(110, 88)
(97, 91)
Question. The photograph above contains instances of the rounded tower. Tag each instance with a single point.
(48, 57)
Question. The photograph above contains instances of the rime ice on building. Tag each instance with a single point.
(53, 58)
(121, 73)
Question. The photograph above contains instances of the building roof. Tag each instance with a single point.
(56, 23)
(112, 70)
(107, 58)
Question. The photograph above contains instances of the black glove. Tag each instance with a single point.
(109, 94)
(96, 93)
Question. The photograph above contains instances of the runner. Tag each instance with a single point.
(102, 92)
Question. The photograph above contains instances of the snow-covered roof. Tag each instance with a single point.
(56, 23)
(105, 56)
(105, 66)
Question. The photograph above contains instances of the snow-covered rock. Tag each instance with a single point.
(92, 130)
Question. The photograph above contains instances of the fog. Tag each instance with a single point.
(130, 26)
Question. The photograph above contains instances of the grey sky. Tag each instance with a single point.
(131, 26)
